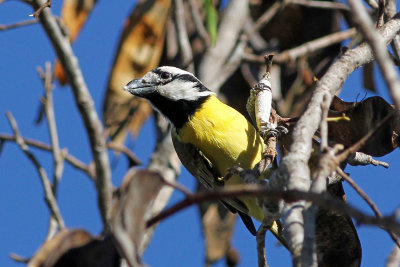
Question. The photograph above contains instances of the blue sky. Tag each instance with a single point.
(178, 240)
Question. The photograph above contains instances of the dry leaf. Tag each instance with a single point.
(76, 248)
(364, 116)
(139, 189)
(74, 14)
(140, 50)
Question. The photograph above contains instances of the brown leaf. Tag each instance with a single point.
(74, 14)
(76, 248)
(364, 116)
(368, 77)
(139, 51)
(139, 189)
(218, 226)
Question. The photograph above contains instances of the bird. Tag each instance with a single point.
(209, 136)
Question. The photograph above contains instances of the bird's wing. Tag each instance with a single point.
(202, 168)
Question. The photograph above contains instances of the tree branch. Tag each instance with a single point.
(86, 107)
(18, 24)
(294, 172)
(290, 196)
(378, 46)
(48, 192)
(76, 163)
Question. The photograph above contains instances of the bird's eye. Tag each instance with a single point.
(165, 75)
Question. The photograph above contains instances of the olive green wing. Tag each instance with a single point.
(204, 171)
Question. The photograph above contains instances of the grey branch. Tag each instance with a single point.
(18, 24)
(58, 158)
(76, 163)
(306, 48)
(86, 107)
(394, 258)
(367, 199)
(378, 46)
(293, 172)
(183, 39)
(48, 192)
(363, 159)
(321, 4)
(260, 237)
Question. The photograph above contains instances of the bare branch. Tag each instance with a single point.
(363, 159)
(293, 170)
(266, 17)
(306, 48)
(390, 10)
(86, 107)
(19, 258)
(40, 9)
(372, 4)
(198, 22)
(367, 199)
(76, 163)
(318, 186)
(260, 237)
(183, 39)
(132, 157)
(58, 158)
(48, 192)
(381, 9)
(378, 46)
(394, 258)
(18, 24)
(255, 190)
(321, 4)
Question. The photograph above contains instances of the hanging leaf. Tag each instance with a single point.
(211, 20)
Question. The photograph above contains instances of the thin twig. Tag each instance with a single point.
(306, 48)
(76, 163)
(367, 199)
(381, 9)
(372, 4)
(321, 4)
(40, 9)
(48, 192)
(266, 17)
(123, 149)
(198, 22)
(18, 24)
(58, 157)
(19, 258)
(85, 104)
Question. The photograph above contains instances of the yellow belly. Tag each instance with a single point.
(227, 139)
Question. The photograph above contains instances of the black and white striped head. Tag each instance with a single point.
(176, 93)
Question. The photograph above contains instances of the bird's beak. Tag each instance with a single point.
(138, 88)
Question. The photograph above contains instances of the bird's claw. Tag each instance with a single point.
(268, 131)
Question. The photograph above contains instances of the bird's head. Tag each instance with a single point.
(176, 93)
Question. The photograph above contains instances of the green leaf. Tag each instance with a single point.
(211, 20)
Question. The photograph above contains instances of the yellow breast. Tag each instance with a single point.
(224, 135)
